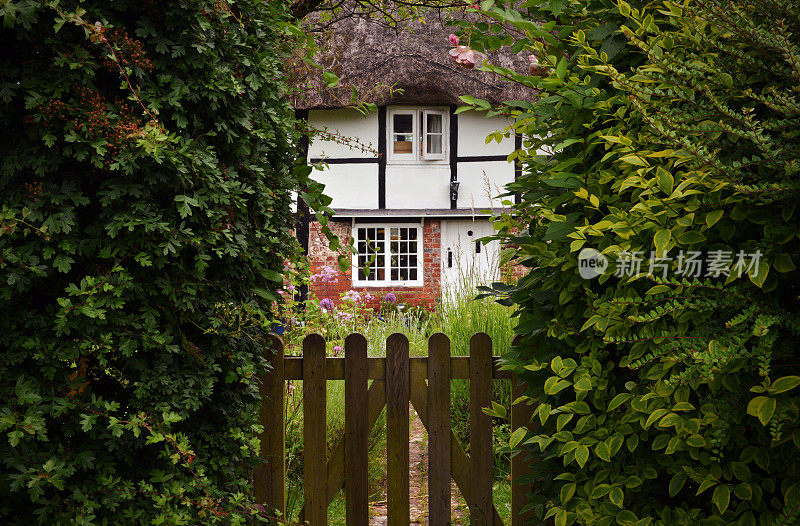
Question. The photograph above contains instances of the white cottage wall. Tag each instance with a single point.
(347, 123)
(482, 182)
(350, 185)
(415, 186)
(473, 128)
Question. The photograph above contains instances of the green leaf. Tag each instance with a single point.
(331, 79)
(783, 384)
(665, 180)
(759, 275)
(743, 491)
(722, 497)
(676, 483)
(516, 437)
(691, 237)
(616, 496)
(696, 441)
(618, 401)
(581, 455)
(762, 407)
(544, 412)
(707, 483)
(784, 263)
(661, 239)
(713, 217)
(602, 451)
(655, 415)
(561, 69)
(567, 491)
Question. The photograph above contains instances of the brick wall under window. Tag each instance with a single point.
(427, 295)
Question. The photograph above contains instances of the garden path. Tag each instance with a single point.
(418, 481)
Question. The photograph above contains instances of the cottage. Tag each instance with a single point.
(411, 193)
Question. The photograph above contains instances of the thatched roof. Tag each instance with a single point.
(366, 55)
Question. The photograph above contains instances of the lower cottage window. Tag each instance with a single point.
(388, 255)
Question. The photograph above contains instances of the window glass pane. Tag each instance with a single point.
(434, 144)
(371, 249)
(403, 123)
(434, 123)
(412, 274)
(403, 133)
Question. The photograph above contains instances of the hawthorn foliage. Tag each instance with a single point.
(146, 165)
(664, 396)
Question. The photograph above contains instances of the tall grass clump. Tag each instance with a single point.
(461, 315)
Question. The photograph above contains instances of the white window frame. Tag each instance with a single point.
(358, 276)
(419, 136)
(424, 130)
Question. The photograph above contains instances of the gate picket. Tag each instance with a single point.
(438, 426)
(355, 430)
(314, 430)
(480, 429)
(397, 385)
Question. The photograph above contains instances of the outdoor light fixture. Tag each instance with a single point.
(454, 190)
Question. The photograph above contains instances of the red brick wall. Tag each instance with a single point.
(320, 255)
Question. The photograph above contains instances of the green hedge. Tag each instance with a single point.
(664, 397)
(145, 175)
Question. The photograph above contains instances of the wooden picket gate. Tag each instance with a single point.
(396, 381)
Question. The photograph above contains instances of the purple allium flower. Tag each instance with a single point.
(326, 304)
(391, 298)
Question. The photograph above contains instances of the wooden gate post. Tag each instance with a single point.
(397, 395)
(521, 416)
(269, 477)
(480, 429)
(315, 444)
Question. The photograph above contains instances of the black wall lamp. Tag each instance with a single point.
(454, 190)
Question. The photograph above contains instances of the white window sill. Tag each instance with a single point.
(384, 284)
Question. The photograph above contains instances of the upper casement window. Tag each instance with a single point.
(418, 135)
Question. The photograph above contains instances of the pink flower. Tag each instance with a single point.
(453, 40)
(534, 61)
(326, 274)
(464, 56)
(337, 349)
(290, 287)
(352, 295)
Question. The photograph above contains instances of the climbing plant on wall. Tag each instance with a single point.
(146, 167)
(666, 140)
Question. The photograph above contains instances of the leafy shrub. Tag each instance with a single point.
(664, 398)
(145, 178)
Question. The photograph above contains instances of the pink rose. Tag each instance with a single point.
(464, 56)
(453, 40)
